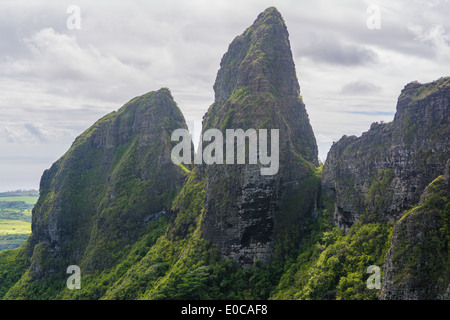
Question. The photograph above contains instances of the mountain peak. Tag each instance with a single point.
(270, 11)
(257, 88)
(259, 59)
(270, 16)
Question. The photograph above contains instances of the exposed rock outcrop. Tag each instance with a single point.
(383, 173)
(417, 264)
(257, 88)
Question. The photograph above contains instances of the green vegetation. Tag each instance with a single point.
(116, 206)
(380, 192)
(104, 204)
(182, 265)
(170, 261)
(17, 207)
(417, 91)
(424, 257)
(293, 221)
(8, 227)
(15, 218)
(427, 89)
(13, 264)
(332, 265)
(411, 128)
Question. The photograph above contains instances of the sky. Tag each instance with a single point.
(65, 64)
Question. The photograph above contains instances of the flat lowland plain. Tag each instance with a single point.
(8, 226)
(15, 219)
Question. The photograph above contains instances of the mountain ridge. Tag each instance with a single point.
(140, 226)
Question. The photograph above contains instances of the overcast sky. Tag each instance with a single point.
(56, 81)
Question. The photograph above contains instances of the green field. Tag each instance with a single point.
(8, 226)
(15, 218)
(27, 199)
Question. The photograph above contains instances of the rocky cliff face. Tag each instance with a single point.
(114, 180)
(417, 264)
(256, 88)
(384, 172)
(394, 172)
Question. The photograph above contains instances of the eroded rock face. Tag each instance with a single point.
(257, 88)
(384, 172)
(416, 266)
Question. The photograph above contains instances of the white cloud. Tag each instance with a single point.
(59, 56)
(436, 37)
(36, 132)
(60, 81)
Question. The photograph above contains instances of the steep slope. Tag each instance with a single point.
(141, 227)
(111, 205)
(384, 172)
(113, 186)
(249, 216)
(229, 216)
(417, 266)
(370, 184)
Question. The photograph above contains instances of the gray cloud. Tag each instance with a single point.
(36, 132)
(360, 87)
(333, 51)
(9, 136)
(60, 81)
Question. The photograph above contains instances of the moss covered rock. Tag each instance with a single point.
(102, 195)
(250, 217)
(417, 266)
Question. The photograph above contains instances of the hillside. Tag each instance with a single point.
(140, 226)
